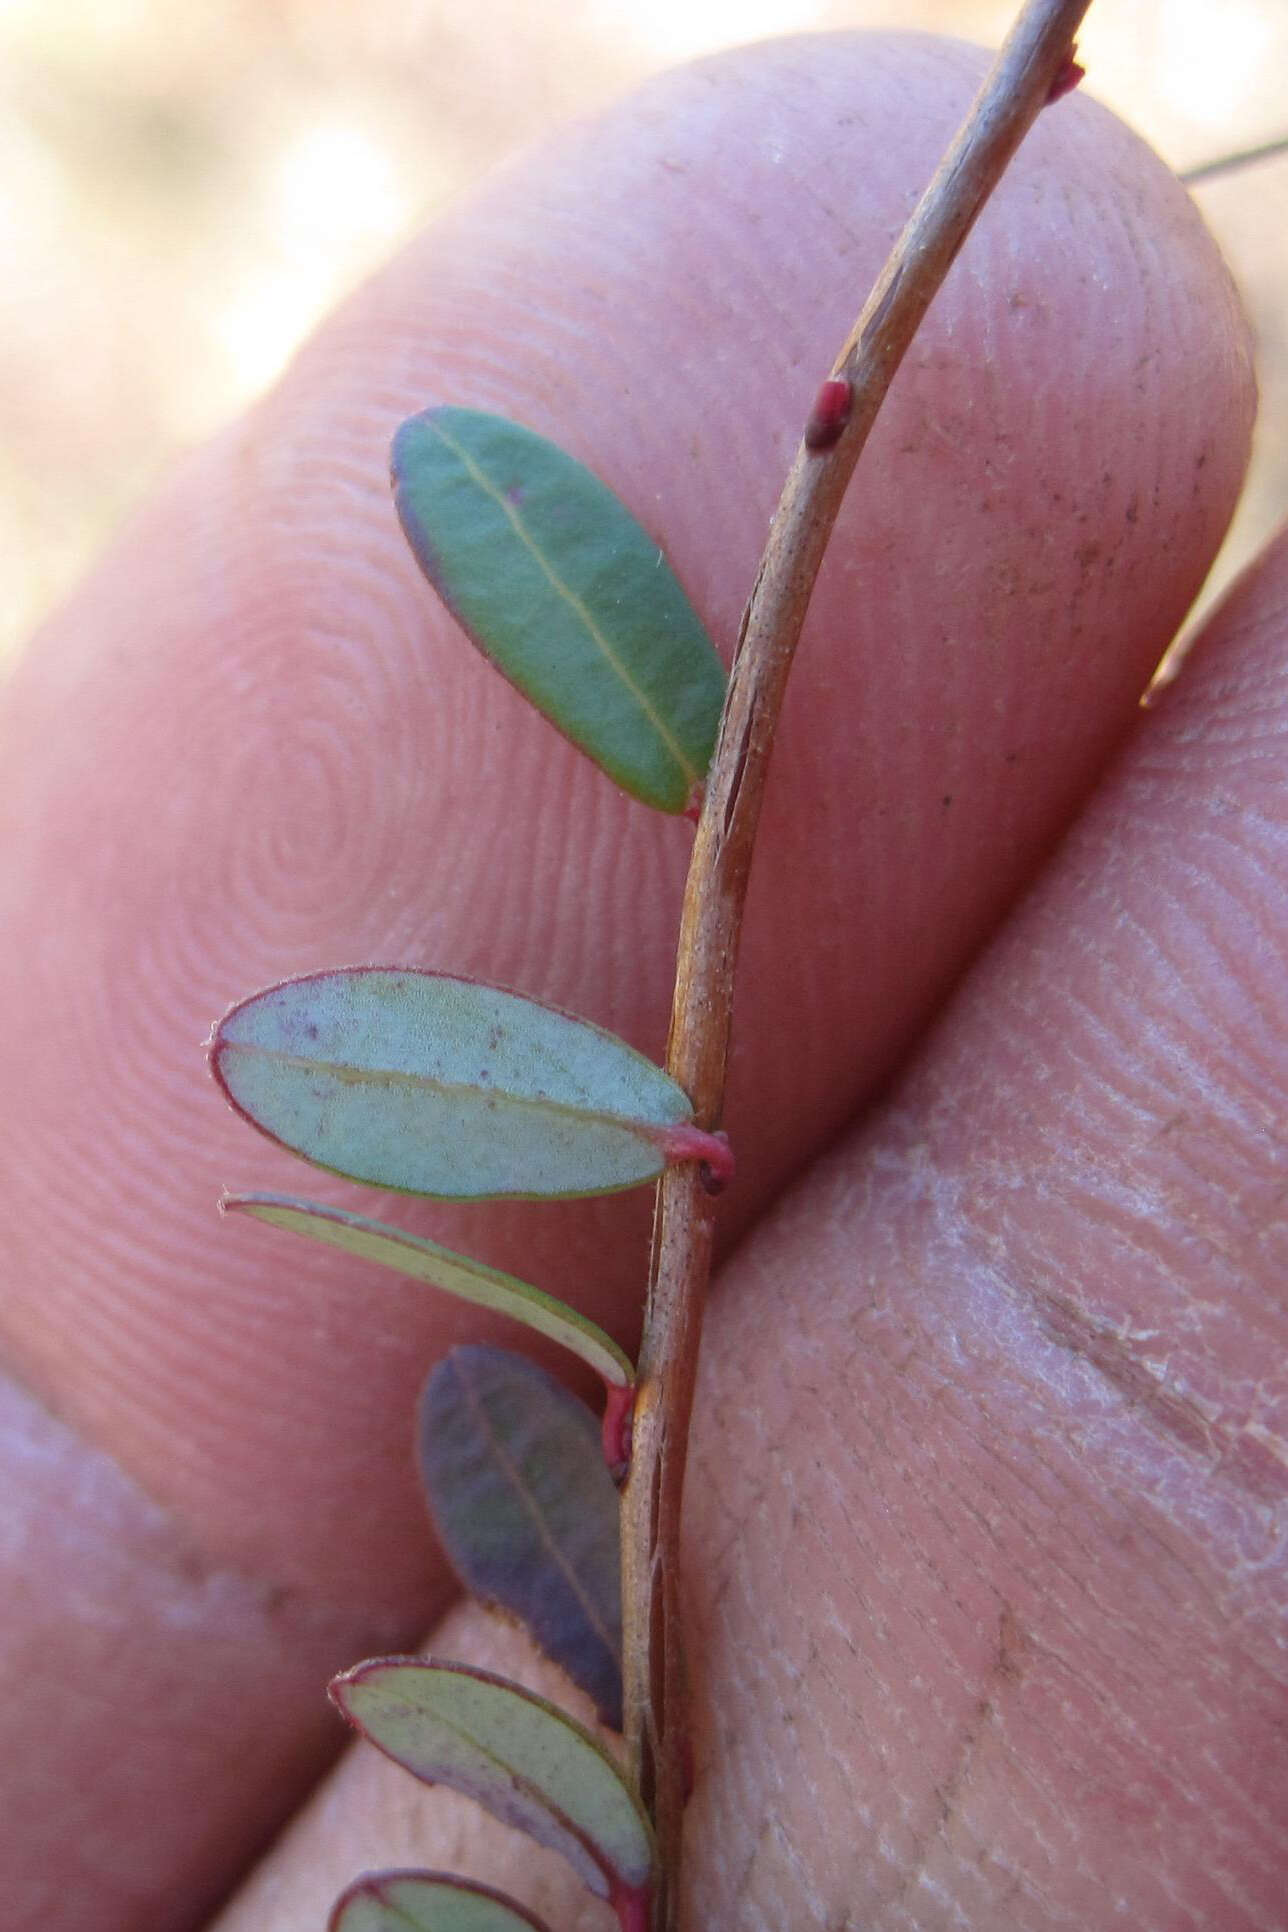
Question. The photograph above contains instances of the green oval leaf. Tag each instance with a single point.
(441, 1086)
(426, 1902)
(526, 1509)
(455, 1274)
(552, 577)
(523, 1759)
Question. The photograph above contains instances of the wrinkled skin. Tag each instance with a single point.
(988, 1491)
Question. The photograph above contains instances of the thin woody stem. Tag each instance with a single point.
(1232, 163)
(1030, 69)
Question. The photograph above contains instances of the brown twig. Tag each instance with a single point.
(1032, 67)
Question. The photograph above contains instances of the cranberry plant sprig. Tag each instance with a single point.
(409, 1079)
(443, 1087)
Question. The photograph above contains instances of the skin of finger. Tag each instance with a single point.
(158, 1710)
(1028, 1427)
(192, 805)
(990, 1483)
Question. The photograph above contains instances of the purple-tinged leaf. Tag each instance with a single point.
(523, 1759)
(552, 577)
(426, 1902)
(526, 1509)
(455, 1274)
(441, 1086)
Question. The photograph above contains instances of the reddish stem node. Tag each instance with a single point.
(714, 1155)
(830, 414)
(634, 1908)
(693, 810)
(1067, 75)
(619, 1412)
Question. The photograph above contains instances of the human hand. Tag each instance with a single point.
(988, 1468)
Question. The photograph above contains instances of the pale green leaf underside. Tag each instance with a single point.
(444, 1087)
(523, 1759)
(438, 1267)
(550, 575)
(426, 1902)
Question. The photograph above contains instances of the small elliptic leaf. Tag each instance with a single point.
(426, 1902)
(526, 1509)
(455, 1274)
(446, 1087)
(552, 577)
(523, 1759)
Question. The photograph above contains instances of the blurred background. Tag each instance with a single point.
(186, 188)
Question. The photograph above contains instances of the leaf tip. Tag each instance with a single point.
(345, 1681)
(214, 1046)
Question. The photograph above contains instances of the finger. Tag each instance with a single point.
(1026, 1430)
(1034, 1405)
(296, 763)
(989, 1491)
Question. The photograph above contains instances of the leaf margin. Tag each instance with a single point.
(515, 1299)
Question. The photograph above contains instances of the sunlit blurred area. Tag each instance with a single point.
(186, 189)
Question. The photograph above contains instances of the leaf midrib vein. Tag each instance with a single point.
(349, 1075)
